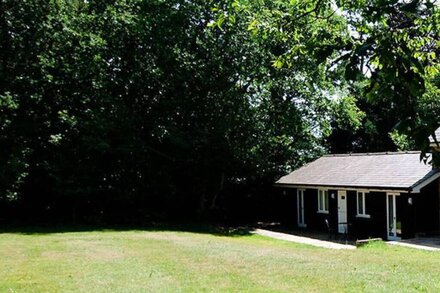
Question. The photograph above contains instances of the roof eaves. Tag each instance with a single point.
(403, 188)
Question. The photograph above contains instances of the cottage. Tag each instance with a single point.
(391, 195)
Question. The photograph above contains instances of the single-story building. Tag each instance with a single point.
(391, 195)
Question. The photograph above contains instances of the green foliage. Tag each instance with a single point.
(175, 106)
(382, 52)
(347, 114)
(149, 106)
(402, 141)
(394, 46)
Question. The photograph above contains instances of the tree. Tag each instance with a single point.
(134, 109)
(383, 53)
(395, 44)
(148, 109)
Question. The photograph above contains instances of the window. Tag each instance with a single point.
(361, 204)
(322, 201)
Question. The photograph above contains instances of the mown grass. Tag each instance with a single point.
(175, 261)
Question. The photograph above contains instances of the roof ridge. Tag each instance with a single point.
(371, 154)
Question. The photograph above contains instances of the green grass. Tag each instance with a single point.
(173, 261)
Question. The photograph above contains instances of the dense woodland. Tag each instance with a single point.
(129, 111)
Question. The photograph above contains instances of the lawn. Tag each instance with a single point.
(178, 261)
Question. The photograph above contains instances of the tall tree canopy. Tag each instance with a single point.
(158, 108)
(384, 53)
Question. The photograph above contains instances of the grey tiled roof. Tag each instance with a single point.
(437, 136)
(400, 170)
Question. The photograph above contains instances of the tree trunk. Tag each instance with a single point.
(216, 194)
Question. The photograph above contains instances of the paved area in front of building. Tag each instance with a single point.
(424, 243)
(302, 239)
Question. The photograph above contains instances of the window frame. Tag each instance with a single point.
(324, 207)
(363, 194)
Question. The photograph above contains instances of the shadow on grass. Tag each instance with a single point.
(201, 228)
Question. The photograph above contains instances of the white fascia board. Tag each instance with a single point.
(418, 187)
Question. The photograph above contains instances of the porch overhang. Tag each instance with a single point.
(416, 188)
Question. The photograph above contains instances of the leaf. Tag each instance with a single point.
(278, 63)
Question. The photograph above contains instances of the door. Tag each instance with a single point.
(300, 207)
(342, 211)
(394, 225)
